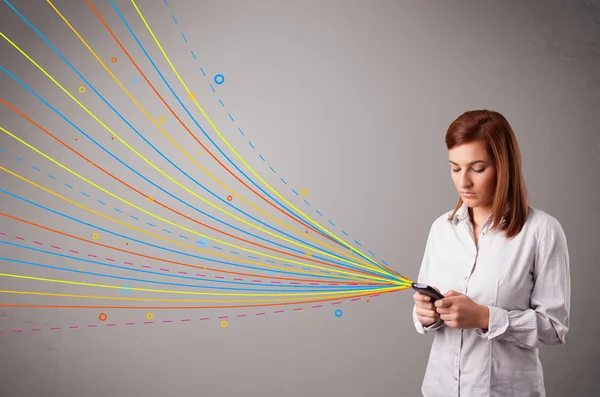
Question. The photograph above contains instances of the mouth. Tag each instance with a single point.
(468, 194)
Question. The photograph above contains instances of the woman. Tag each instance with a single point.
(503, 267)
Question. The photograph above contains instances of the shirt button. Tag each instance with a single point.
(455, 378)
(456, 354)
(465, 278)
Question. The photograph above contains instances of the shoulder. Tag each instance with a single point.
(544, 225)
(441, 223)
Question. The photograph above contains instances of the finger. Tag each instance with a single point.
(444, 310)
(426, 305)
(420, 297)
(446, 302)
(452, 293)
(447, 317)
(427, 313)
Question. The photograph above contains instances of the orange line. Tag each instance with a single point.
(174, 262)
(182, 307)
(194, 136)
(173, 210)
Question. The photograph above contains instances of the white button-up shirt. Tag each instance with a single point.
(525, 283)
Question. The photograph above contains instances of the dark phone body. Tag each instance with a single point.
(427, 290)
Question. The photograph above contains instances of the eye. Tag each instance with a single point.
(456, 170)
(479, 171)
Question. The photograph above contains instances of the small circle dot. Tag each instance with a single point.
(304, 192)
(113, 60)
(338, 313)
(219, 79)
(134, 80)
(224, 324)
(81, 89)
(162, 119)
(229, 198)
(102, 317)
(149, 316)
(95, 236)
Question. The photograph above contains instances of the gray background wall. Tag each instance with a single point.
(349, 100)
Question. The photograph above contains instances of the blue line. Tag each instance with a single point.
(184, 39)
(358, 243)
(222, 104)
(175, 20)
(20, 159)
(344, 233)
(101, 202)
(251, 145)
(85, 194)
(50, 176)
(282, 180)
(231, 117)
(129, 238)
(332, 223)
(2, 150)
(194, 55)
(213, 88)
(318, 212)
(182, 236)
(370, 252)
(118, 210)
(261, 157)
(35, 168)
(134, 217)
(69, 186)
(150, 224)
(168, 231)
(272, 169)
(307, 202)
(202, 70)
(240, 130)
(295, 192)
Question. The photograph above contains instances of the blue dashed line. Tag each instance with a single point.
(150, 224)
(235, 252)
(174, 20)
(134, 217)
(101, 202)
(333, 224)
(194, 55)
(347, 235)
(358, 243)
(241, 132)
(20, 159)
(213, 88)
(200, 242)
(319, 212)
(287, 264)
(384, 262)
(261, 157)
(69, 186)
(295, 192)
(269, 261)
(182, 236)
(202, 70)
(167, 4)
(272, 169)
(50, 176)
(118, 210)
(219, 248)
(85, 194)
(251, 145)
(168, 231)
(184, 39)
(283, 181)
(231, 117)
(253, 257)
(370, 252)
(2, 149)
(306, 268)
(36, 168)
(307, 203)
(222, 104)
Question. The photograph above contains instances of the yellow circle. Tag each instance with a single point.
(224, 323)
(304, 192)
(95, 236)
(81, 89)
(162, 119)
(149, 316)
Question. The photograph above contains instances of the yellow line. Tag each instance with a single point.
(167, 239)
(238, 156)
(165, 174)
(60, 281)
(148, 299)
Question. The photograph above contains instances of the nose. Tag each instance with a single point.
(465, 181)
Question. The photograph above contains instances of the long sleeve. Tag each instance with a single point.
(423, 278)
(548, 319)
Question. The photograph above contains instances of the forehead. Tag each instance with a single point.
(469, 152)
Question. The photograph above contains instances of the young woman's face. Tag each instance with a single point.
(473, 173)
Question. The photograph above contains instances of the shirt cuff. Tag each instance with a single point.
(498, 324)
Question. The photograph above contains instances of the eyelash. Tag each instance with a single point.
(477, 171)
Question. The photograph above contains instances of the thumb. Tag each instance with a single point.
(451, 293)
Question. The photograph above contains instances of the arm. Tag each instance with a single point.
(422, 278)
(548, 319)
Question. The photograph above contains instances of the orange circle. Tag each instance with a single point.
(102, 317)
(112, 137)
(229, 198)
(76, 139)
(113, 60)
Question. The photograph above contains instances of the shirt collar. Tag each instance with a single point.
(463, 213)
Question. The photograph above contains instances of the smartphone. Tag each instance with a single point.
(427, 290)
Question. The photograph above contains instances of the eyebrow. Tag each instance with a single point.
(471, 163)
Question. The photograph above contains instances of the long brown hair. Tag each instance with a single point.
(493, 128)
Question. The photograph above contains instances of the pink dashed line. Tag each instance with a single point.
(221, 277)
(17, 330)
(128, 263)
(93, 256)
(200, 275)
(295, 283)
(148, 322)
(260, 314)
(256, 281)
(275, 282)
(36, 329)
(182, 272)
(146, 266)
(279, 311)
(167, 321)
(336, 303)
(109, 259)
(75, 252)
(74, 326)
(205, 318)
(37, 242)
(317, 306)
(355, 299)
(55, 329)
(129, 323)
(238, 279)
(2, 233)
(241, 315)
(298, 308)
(93, 326)
(164, 270)
(55, 247)
(19, 238)
(187, 319)
(111, 325)
(223, 317)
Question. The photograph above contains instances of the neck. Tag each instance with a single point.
(479, 214)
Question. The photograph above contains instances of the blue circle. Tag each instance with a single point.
(338, 313)
(134, 81)
(124, 289)
(219, 79)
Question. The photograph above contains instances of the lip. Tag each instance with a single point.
(468, 194)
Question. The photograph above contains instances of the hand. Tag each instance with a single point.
(459, 311)
(425, 310)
